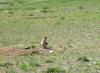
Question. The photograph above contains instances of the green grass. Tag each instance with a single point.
(73, 25)
(54, 70)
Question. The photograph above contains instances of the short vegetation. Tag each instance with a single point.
(72, 28)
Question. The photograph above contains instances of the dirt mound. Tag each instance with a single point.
(13, 52)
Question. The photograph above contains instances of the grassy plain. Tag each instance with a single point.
(72, 25)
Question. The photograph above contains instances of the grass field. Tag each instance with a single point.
(72, 25)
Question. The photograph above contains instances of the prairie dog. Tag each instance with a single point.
(44, 43)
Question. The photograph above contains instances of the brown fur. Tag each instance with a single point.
(44, 43)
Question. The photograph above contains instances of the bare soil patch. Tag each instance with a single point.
(13, 52)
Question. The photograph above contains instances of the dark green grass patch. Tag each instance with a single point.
(83, 58)
(55, 70)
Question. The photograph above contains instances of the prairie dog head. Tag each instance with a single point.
(45, 37)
